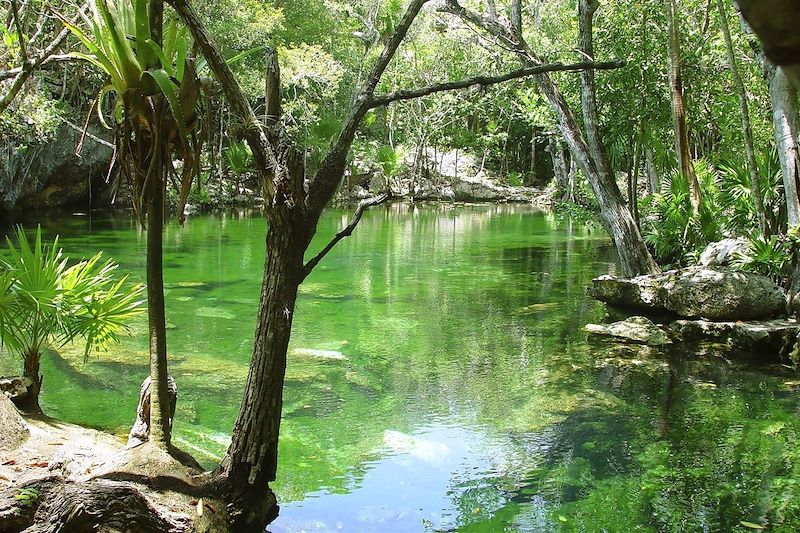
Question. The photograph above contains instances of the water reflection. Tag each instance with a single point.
(439, 379)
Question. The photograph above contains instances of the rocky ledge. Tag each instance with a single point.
(771, 340)
(695, 292)
(700, 306)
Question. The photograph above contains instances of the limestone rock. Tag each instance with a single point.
(14, 430)
(637, 329)
(15, 387)
(695, 292)
(771, 338)
(724, 252)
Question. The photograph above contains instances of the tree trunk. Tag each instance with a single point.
(633, 191)
(252, 458)
(559, 169)
(786, 121)
(160, 421)
(747, 131)
(653, 182)
(29, 403)
(679, 108)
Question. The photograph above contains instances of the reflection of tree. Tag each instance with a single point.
(679, 444)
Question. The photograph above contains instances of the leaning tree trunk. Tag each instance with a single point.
(252, 458)
(615, 215)
(747, 130)
(679, 108)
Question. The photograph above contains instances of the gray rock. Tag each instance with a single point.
(14, 431)
(695, 292)
(637, 329)
(15, 387)
(773, 338)
(724, 252)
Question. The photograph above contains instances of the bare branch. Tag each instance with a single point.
(363, 205)
(57, 58)
(483, 81)
(28, 68)
(331, 170)
(23, 53)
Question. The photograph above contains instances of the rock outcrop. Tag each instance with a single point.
(724, 252)
(50, 175)
(772, 337)
(695, 292)
(636, 329)
(14, 431)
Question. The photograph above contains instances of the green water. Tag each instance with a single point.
(439, 380)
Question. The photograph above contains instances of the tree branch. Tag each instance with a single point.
(57, 58)
(483, 81)
(331, 170)
(263, 153)
(23, 53)
(363, 205)
(26, 71)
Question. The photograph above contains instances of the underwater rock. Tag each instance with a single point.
(323, 354)
(775, 337)
(637, 329)
(695, 292)
(724, 252)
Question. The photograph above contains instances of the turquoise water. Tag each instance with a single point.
(439, 380)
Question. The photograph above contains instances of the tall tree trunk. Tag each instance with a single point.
(653, 182)
(252, 458)
(633, 191)
(619, 220)
(679, 108)
(559, 169)
(786, 122)
(160, 420)
(160, 413)
(747, 130)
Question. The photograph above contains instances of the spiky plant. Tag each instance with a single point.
(46, 302)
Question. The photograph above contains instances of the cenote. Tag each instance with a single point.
(439, 380)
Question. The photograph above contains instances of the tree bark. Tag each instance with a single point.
(252, 458)
(680, 128)
(653, 182)
(160, 420)
(29, 403)
(747, 130)
(786, 122)
(775, 22)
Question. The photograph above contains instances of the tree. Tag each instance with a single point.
(293, 211)
(679, 107)
(588, 151)
(747, 129)
(43, 302)
(157, 89)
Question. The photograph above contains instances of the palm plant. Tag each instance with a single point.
(45, 302)
(157, 90)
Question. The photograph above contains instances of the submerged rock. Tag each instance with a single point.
(770, 338)
(695, 292)
(637, 329)
(724, 252)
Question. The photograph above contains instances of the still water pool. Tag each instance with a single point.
(439, 380)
